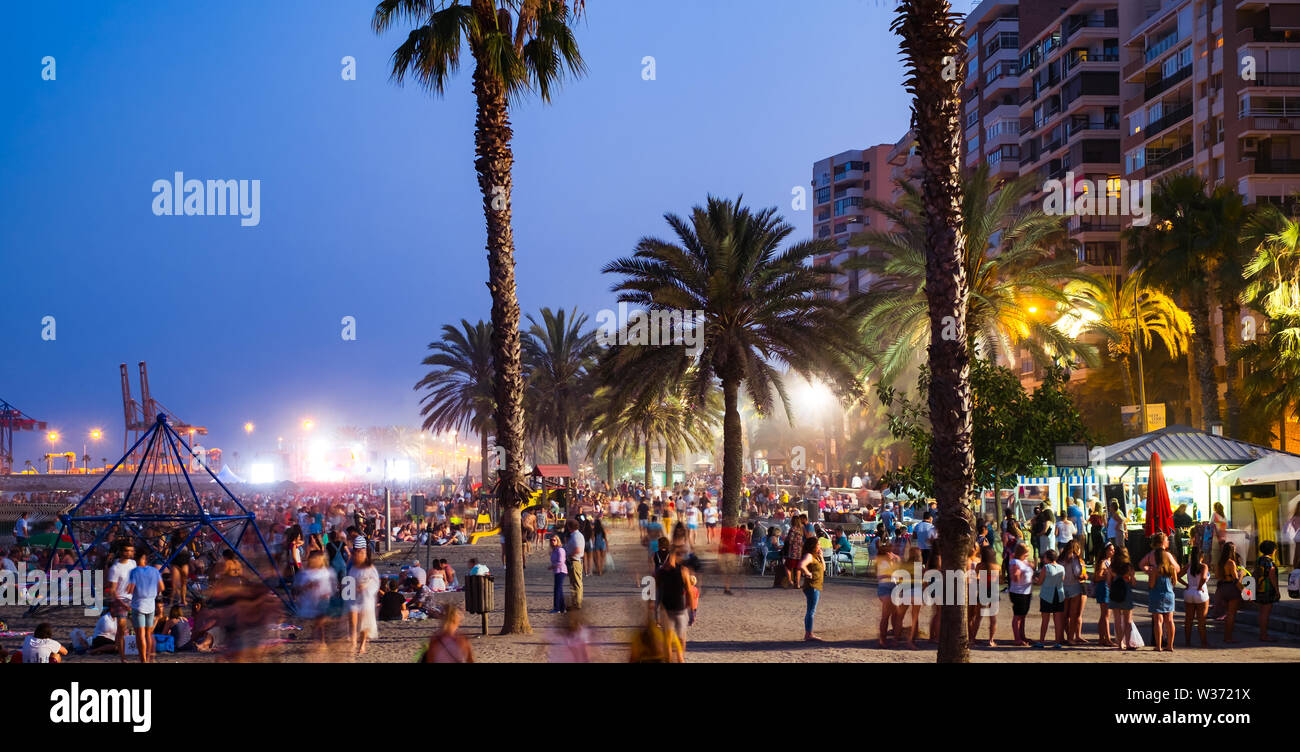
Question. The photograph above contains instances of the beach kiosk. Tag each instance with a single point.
(1198, 469)
(1268, 490)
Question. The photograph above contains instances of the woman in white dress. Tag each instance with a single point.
(364, 601)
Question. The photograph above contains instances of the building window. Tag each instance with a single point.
(823, 195)
(843, 205)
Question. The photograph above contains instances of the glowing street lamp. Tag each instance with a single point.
(53, 436)
(96, 434)
(248, 428)
(307, 424)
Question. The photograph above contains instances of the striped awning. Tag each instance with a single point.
(1071, 475)
(1183, 445)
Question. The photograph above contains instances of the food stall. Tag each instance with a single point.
(1265, 491)
(1198, 468)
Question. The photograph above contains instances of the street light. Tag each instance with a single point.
(307, 424)
(96, 435)
(248, 428)
(817, 398)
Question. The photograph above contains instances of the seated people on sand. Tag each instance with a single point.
(41, 647)
(392, 604)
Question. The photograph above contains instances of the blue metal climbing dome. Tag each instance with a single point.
(163, 511)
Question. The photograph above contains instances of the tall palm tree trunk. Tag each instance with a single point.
(1231, 317)
(668, 464)
(931, 42)
(649, 466)
(733, 457)
(493, 163)
(484, 461)
(1205, 359)
(609, 468)
(562, 437)
(1127, 370)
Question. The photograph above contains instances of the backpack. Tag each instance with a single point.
(1263, 584)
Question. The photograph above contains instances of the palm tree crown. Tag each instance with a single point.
(557, 353)
(763, 309)
(1012, 272)
(458, 392)
(1127, 315)
(526, 45)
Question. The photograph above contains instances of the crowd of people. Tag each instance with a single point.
(188, 589)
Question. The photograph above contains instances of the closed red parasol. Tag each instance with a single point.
(1160, 515)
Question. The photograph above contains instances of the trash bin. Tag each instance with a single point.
(479, 592)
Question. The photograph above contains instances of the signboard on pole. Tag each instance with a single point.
(1071, 455)
(1131, 415)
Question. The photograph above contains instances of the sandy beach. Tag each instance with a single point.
(759, 624)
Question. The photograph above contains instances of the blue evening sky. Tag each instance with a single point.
(369, 205)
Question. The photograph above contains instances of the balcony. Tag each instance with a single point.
(1167, 160)
(1165, 84)
(1155, 127)
(1076, 58)
(1270, 123)
(840, 177)
(1095, 224)
(1280, 36)
(1080, 124)
(1277, 167)
(1270, 78)
(1160, 48)
(1076, 24)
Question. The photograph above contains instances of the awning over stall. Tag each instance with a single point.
(1273, 468)
(1184, 445)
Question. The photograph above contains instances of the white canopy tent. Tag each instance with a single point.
(228, 476)
(1273, 468)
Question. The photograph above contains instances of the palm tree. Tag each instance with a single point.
(1177, 251)
(1272, 287)
(518, 46)
(612, 434)
(762, 309)
(1272, 380)
(556, 354)
(458, 392)
(1128, 315)
(1010, 263)
(350, 434)
(1272, 275)
(932, 40)
(1223, 221)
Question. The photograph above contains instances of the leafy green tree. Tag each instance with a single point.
(1013, 434)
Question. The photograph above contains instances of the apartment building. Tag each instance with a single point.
(1070, 113)
(1213, 86)
(842, 185)
(991, 89)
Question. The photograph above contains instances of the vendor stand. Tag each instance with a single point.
(1198, 472)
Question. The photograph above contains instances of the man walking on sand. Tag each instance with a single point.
(574, 548)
